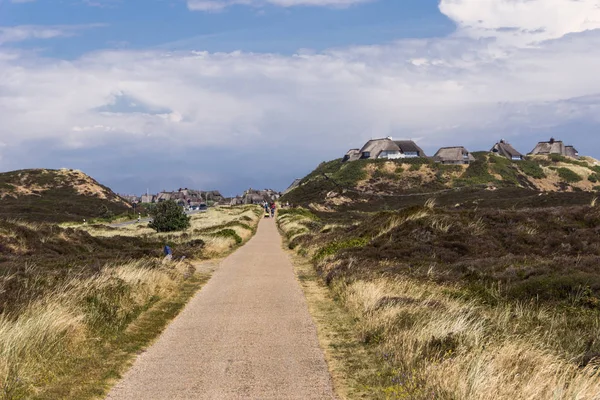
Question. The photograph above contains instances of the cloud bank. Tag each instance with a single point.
(210, 117)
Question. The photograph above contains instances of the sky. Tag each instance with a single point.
(231, 94)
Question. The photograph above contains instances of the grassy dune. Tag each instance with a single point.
(468, 304)
(77, 308)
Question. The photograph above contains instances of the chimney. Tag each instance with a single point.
(389, 138)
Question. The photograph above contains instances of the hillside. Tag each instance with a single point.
(56, 196)
(490, 180)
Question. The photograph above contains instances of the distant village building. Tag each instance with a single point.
(386, 148)
(504, 149)
(148, 198)
(237, 201)
(254, 196)
(554, 147)
(185, 197)
(131, 199)
(453, 156)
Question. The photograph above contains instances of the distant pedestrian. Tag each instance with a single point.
(273, 210)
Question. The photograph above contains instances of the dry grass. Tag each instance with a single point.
(75, 319)
(446, 348)
(439, 341)
(201, 228)
(47, 333)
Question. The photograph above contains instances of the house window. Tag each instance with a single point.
(366, 154)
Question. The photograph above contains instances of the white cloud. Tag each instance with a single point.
(218, 5)
(21, 33)
(522, 22)
(302, 108)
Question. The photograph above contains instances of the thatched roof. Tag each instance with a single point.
(550, 147)
(376, 146)
(453, 154)
(409, 146)
(554, 147)
(503, 148)
(352, 155)
(571, 152)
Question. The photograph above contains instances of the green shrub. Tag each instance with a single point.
(557, 158)
(335, 247)
(351, 173)
(505, 168)
(594, 178)
(560, 158)
(477, 173)
(532, 169)
(229, 233)
(569, 176)
(415, 167)
(168, 217)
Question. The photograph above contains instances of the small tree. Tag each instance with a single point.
(168, 217)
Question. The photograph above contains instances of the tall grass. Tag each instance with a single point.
(49, 332)
(444, 348)
(438, 341)
(72, 316)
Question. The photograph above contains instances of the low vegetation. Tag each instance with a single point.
(78, 302)
(339, 186)
(464, 303)
(41, 195)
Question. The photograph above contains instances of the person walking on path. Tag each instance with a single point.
(273, 210)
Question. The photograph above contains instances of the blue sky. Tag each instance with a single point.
(228, 94)
(136, 24)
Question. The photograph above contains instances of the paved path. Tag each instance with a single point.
(246, 335)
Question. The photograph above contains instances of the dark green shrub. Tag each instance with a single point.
(477, 173)
(569, 176)
(557, 158)
(229, 233)
(593, 178)
(532, 169)
(415, 167)
(335, 247)
(168, 217)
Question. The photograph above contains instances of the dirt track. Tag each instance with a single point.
(246, 335)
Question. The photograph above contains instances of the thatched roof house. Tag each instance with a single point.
(554, 147)
(352, 155)
(504, 149)
(385, 148)
(453, 155)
